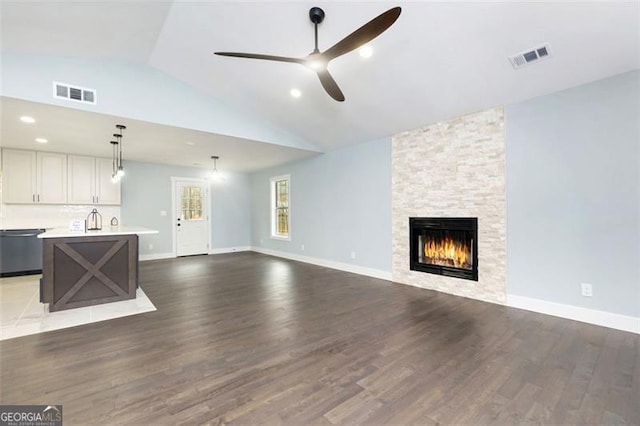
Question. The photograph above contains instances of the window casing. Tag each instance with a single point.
(281, 207)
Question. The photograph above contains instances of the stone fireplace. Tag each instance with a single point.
(452, 169)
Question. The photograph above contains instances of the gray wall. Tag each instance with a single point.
(340, 202)
(146, 191)
(573, 204)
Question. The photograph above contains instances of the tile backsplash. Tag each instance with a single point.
(23, 216)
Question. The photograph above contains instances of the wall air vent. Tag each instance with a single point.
(74, 93)
(529, 56)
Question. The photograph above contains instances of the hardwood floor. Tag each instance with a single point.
(252, 339)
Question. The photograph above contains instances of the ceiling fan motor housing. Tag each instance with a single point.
(316, 15)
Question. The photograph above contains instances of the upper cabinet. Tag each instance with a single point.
(82, 178)
(30, 177)
(107, 191)
(18, 176)
(51, 178)
(90, 181)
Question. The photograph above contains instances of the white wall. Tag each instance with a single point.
(340, 203)
(573, 196)
(146, 192)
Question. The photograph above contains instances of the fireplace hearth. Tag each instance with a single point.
(444, 246)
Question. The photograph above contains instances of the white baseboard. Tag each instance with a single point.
(229, 250)
(591, 316)
(361, 270)
(155, 256)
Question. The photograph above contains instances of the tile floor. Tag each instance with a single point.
(22, 314)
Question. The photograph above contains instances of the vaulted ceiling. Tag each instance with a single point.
(87, 133)
(439, 60)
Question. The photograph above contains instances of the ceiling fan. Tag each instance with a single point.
(318, 61)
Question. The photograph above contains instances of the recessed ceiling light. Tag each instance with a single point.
(295, 93)
(366, 51)
(41, 140)
(190, 143)
(27, 119)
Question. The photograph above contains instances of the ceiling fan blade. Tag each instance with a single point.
(330, 85)
(364, 34)
(258, 56)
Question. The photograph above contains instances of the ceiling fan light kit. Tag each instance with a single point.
(318, 61)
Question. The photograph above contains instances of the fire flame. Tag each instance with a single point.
(448, 252)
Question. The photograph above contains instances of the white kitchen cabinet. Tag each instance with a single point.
(90, 181)
(51, 178)
(81, 181)
(107, 192)
(18, 176)
(30, 177)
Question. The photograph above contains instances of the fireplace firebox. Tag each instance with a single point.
(444, 246)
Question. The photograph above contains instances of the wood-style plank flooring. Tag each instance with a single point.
(252, 339)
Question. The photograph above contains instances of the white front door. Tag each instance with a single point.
(191, 213)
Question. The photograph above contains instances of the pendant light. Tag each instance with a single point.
(214, 175)
(118, 170)
(114, 163)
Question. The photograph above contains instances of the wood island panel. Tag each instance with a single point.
(85, 271)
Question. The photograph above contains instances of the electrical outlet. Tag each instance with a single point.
(163, 212)
(353, 254)
(587, 290)
(261, 241)
(150, 246)
(302, 247)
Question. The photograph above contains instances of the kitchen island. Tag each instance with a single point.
(89, 268)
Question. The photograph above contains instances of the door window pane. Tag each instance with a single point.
(191, 203)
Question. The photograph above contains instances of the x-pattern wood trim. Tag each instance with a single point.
(93, 270)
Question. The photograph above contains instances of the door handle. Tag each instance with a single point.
(97, 199)
(178, 224)
(38, 197)
(33, 197)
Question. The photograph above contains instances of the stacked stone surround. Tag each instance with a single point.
(454, 168)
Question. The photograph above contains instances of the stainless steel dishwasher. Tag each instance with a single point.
(20, 252)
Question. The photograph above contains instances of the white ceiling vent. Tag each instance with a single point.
(532, 55)
(74, 93)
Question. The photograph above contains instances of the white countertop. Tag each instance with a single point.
(105, 231)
